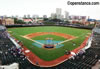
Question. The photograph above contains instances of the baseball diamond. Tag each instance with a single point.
(64, 38)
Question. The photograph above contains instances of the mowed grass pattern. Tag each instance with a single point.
(53, 54)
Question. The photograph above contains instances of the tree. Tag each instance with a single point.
(30, 22)
(16, 21)
(67, 22)
(56, 20)
(45, 19)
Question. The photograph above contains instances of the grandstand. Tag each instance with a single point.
(11, 52)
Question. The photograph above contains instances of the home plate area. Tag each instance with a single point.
(48, 44)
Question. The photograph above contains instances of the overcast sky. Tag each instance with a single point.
(46, 7)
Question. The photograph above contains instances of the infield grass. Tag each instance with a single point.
(54, 37)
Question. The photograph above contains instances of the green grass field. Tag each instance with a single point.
(43, 37)
(45, 54)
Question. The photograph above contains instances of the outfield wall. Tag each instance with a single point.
(65, 25)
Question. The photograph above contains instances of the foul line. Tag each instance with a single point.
(32, 40)
(43, 44)
(63, 41)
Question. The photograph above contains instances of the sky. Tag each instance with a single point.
(46, 7)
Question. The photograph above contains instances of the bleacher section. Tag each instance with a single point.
(9, 54)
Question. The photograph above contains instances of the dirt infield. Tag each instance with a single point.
(67, 36)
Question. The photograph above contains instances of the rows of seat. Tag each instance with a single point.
(9, 53)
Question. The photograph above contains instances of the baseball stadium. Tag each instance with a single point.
(49, 47)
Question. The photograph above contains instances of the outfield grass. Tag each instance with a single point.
(49, 55)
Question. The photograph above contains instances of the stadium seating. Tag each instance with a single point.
(10, 54)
